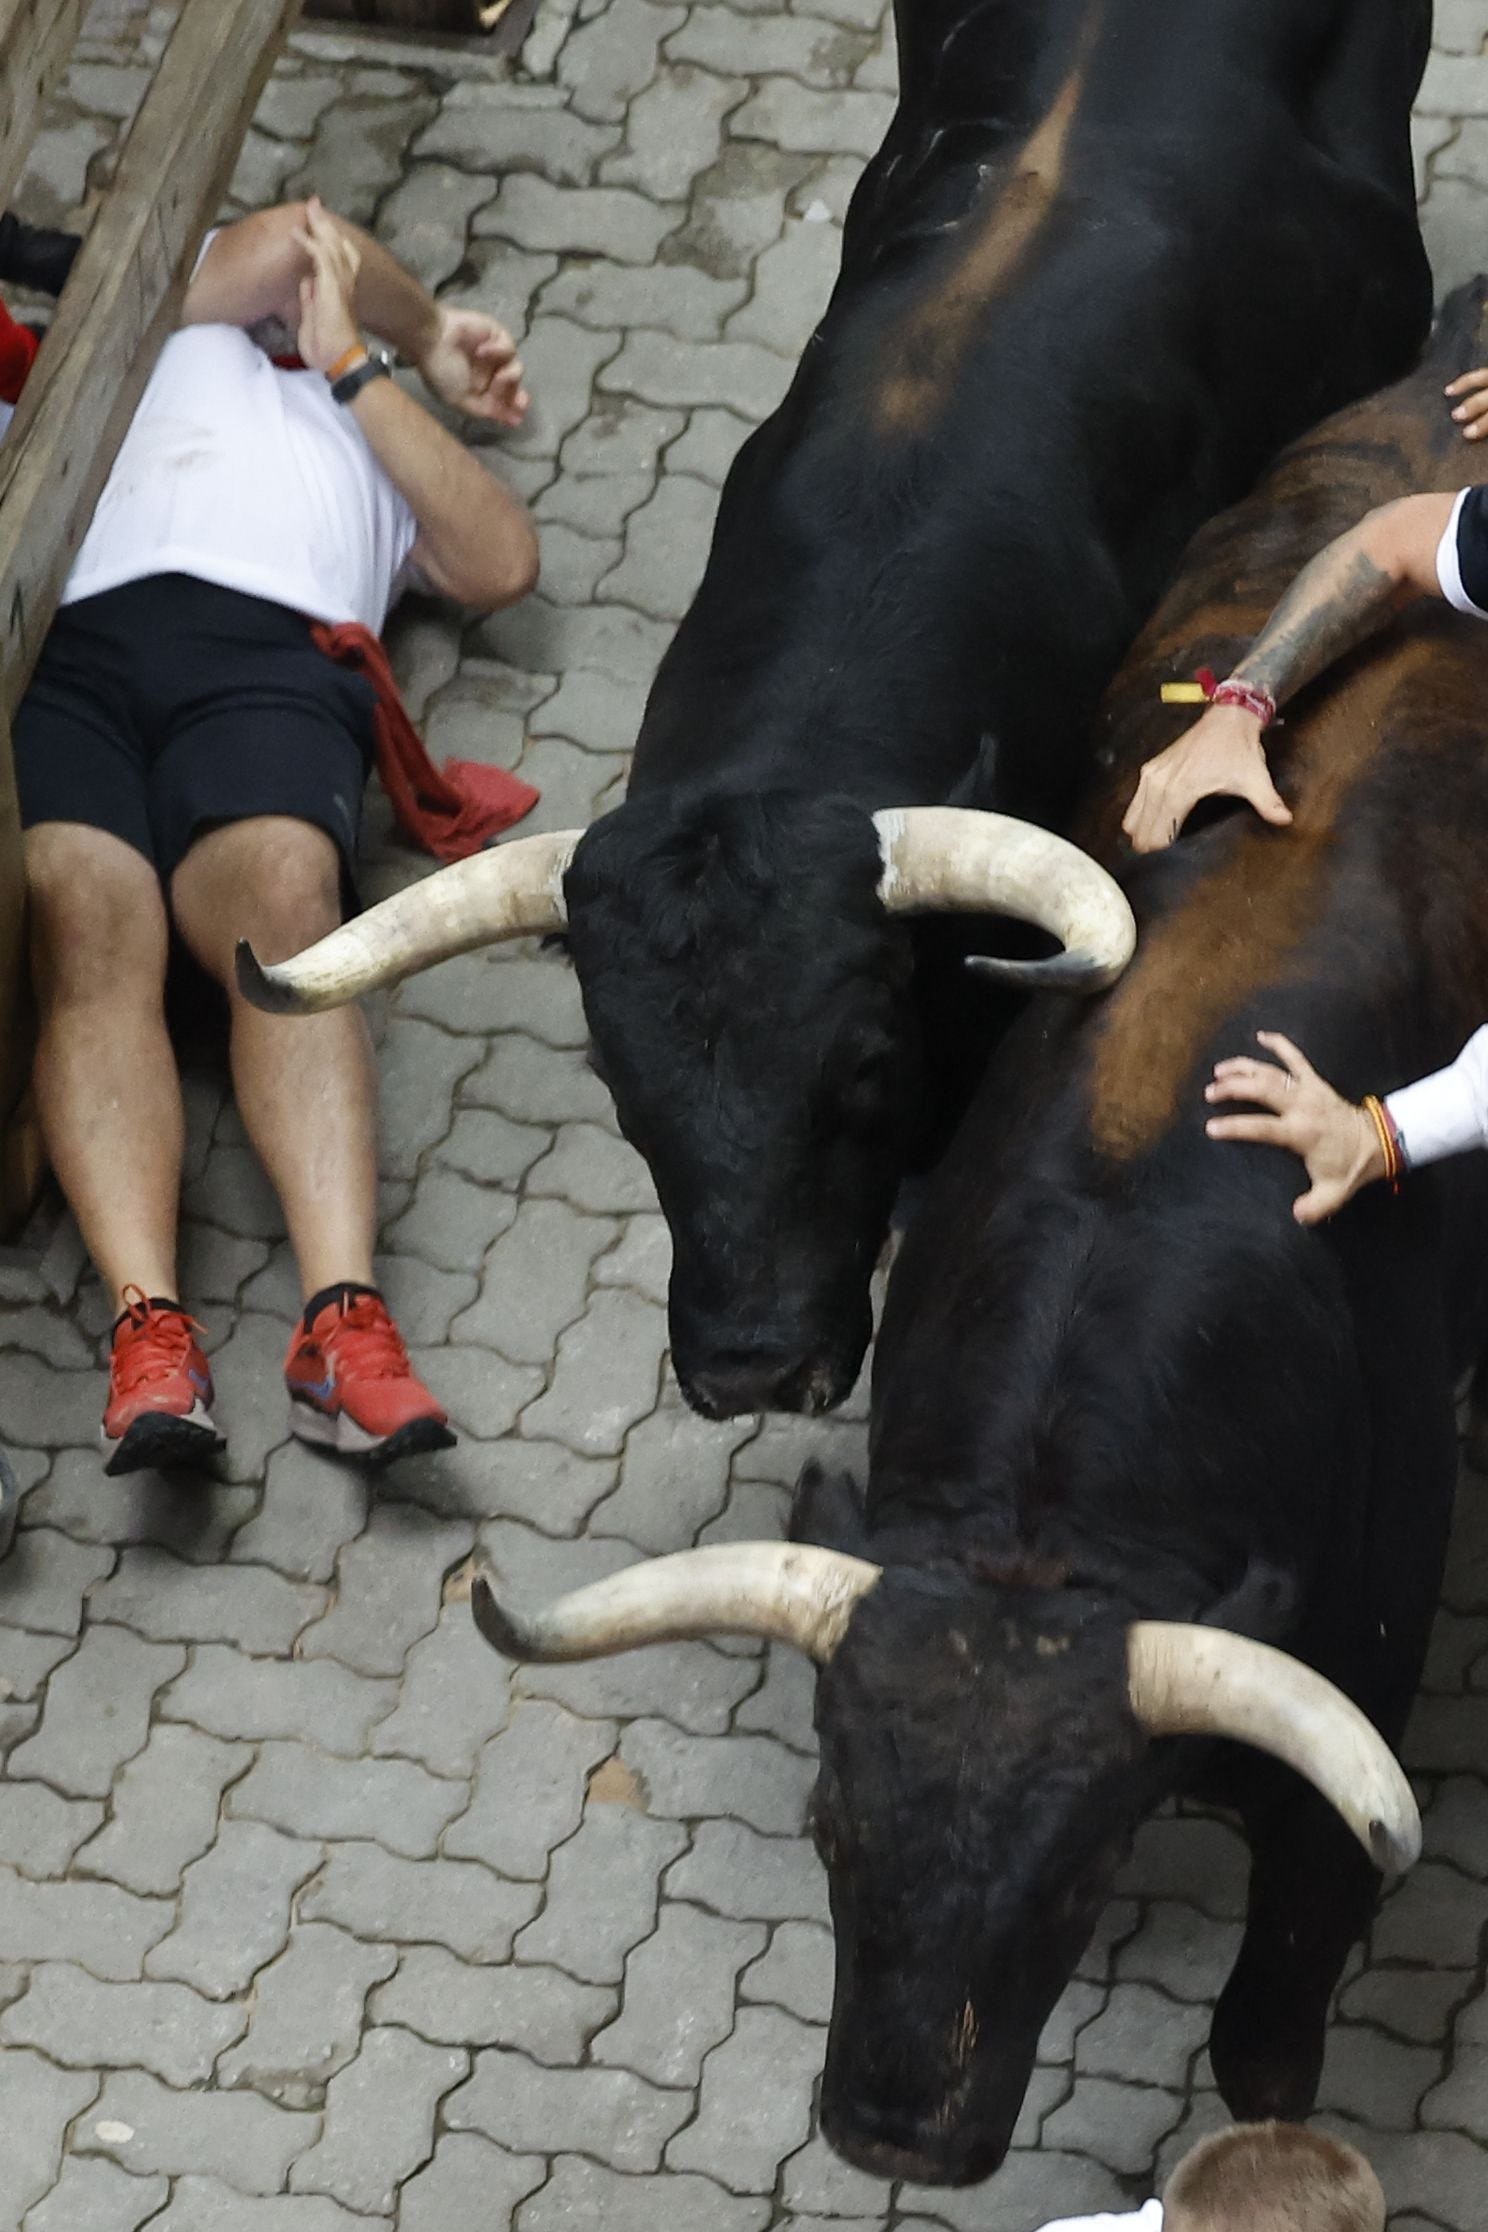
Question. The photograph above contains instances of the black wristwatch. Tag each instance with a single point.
(376, 366)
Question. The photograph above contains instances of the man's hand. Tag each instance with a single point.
(328, 323)
(1335, 1138)
(472, 364)
(1471, 413)
(1221, 757)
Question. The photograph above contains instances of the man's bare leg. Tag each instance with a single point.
(306, 1086)
(106, 1086)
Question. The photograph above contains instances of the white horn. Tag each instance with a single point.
(792, 1591)
(509, 891)
(956, 860)
(1199, 1681)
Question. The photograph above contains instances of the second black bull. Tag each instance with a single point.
(1111, 255)
(1148, 1458)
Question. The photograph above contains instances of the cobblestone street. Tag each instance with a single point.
(313, 1916)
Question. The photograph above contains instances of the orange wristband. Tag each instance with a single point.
(348, 358)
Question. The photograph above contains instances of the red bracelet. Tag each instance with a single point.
(1257, 701)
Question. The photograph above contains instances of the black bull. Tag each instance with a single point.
(1111, 255)
(1117, 1383)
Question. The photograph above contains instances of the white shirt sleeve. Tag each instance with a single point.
(1142, 2220)
(1449, 564)
(1447, 1112)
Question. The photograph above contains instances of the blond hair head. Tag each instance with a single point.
(1273, 2177)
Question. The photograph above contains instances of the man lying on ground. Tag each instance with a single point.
(189, 759)
(1421, 546)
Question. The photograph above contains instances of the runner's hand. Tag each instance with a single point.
(328, 324)
(1471, 413)
(1335, 1138)
(1221, 757)
(472, 364)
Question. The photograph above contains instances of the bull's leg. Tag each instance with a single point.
(1475, 1439)
(1357, 112)
(1312, 1892)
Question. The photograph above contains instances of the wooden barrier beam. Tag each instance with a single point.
(36, 38)
(119, 307)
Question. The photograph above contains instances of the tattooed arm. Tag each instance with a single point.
(1346, 593)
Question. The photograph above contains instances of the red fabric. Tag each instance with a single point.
(18, 347)
(451, 811)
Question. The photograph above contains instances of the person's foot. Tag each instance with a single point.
(351, 1386)
(160, 1390)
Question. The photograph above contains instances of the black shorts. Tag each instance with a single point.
(165, 708)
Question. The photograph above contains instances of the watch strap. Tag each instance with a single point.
(351, 384)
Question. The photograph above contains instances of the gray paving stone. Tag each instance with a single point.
(674, 131)
(819, 2183)
(172, 1512)
(736, 208)
(37, 2102)
(291, 107)
(487, 1147)
(226, 1693)
(769, 45)
(544, 637)
(1029, 2183)
(206, 2205)
(1120, 2124)
(795, 1973)
(709, 446)
(310, 1794)
(735, 1871)
(248, 1372)
(47, 1575)
(754, 2105)
(423, 220)
(103, 1929)
(738, 375)
(585, 2197)
(539, 2011)
(1434, 1915)
(233, 1194)
(792, 281)
(1202, 1862)
(594, 1170)
(40, 1831)
(312, 1507)
(452, 1698)
(420, 1068)
(358, 152)
(573, 563)
(529, 1791)
(451, 1221)
(535, 1280)
(1077, 2003)
(1412, 2003)
(234, 1908)
(26, 1660)
(1385, 2082)
(605, 2113)
(1454, 85)
(673, 296)
(469, 2181)
(603, 1890)
(666, 547)
(97, 1711)
(454, 1903)
(689, 1778)
(576, 220)
(679, 1995)
(481, 127)
(94, 2196)
(482, 1392)
(620, 436)
(388, 1585)
(379, 2120)
(236, 2137)
(784, 1703)
(673, 1478)
(537, 1085)
(307, 2013)
(611, 59)
(606, 1375)
(641, 1258)
(73, 2019)
(548, 1486)
(158, 1596)
(216, 1265)
(1181, 1951)
(1143, 2037)
(163, 1810)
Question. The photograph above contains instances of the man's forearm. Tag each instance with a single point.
(1337, 601)
(389, 301)
(254, 269)
(476, 542)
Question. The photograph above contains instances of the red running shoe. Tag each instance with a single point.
(160, 1390)
(351, 1386)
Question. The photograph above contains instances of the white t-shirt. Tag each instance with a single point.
(257, 479)
(1448, 1111)
(1142, 2220)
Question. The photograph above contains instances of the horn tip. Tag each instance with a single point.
(1395, 1846)
(260, 987)
(496, 1625)
(1080, 973)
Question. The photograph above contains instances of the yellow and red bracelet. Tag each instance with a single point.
(1389, 1138)
(346, 360)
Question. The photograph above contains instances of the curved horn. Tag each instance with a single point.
(792, 1591)
(1199, 1681)
(509, 891)
(956, 860)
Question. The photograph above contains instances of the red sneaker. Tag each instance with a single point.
(160, 1390)
(351, 1386)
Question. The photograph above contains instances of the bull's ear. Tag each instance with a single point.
(1262, 1605)
(828, 1510)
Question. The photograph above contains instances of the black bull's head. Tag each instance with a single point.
(746, 983)
(986, 1751)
